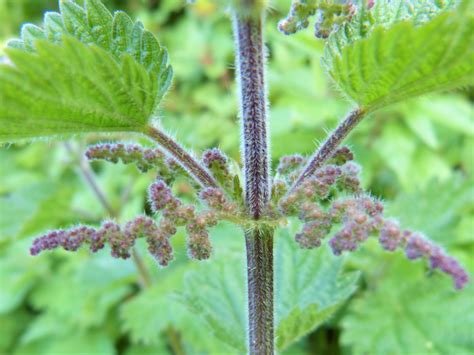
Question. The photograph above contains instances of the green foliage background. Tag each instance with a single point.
(418, 156)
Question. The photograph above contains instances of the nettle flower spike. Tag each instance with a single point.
(174, 214)
(218, 164)
(341, 156)
(330, 15)
(362, 217)
(327, 179)
(217, 201)
(199, 245)
(290, 166)
(120, 241)
(144, 158)
(316, 204)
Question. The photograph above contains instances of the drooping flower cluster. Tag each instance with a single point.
(218, 165)
(330, 204)
(330, 15)
(174, 213)
(329, 178)
(199, 245)
(120, 241)
(360, 217)
(217, 201)
(289, 166)
(171, 212)
(417, 246)
(144, 158)
(357, 216)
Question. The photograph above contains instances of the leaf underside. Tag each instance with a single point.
(85, 70)
(401, 49)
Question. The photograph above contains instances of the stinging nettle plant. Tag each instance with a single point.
(86, 70)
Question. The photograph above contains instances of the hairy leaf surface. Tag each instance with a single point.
(85, 70)
(436, 209)
(216, 292)
(403, 312)
(148, 314)
(401, 49)
(310, 287)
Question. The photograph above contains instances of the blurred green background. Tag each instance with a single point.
(418, 156)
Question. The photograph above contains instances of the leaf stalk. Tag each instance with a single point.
(330, 145)
(182, 157)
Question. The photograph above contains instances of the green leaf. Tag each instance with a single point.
(310, 287)
(22, 206)
(12, 325)
(84, 290)
(399, 49)
(90, 342)
(160, 349)
(34, 208)
(434, 210)
(450, 111)
(406, 313)
(19, 272)
(216, 292)
(85, 71)
(148, 314)
(44, 326)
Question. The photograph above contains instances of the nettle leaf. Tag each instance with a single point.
(12, 324)
(153, 310)
(216, 292)
(310, 287)
(401, 49)
(85, 70)
(436, 209)
(18, 274)
(33, 208)
(406, 313)
(309, 284)
(84, 290)
(95, 341)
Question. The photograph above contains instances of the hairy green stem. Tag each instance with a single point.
(250, 65)
(182, 157)
(327, 149)
(259, 245)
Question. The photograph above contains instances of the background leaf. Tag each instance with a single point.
(401, 314)
(434, 209)
(401, 54)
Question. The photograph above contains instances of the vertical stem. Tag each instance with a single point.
(250, 61)
(259, 243)
(250, 65)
